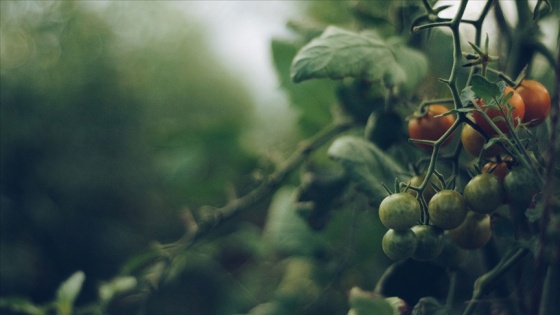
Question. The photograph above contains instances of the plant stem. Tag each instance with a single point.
(484, 284)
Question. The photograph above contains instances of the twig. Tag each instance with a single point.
(485, 283)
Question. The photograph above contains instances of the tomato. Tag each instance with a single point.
(499, 170)
(483, 193)
(399, 211)
(537, 101)
(429, 127)
(520, 187)
(430, 242)
(473, 142)
(518, 113)
(474, 233)
(429, 191)
(447, 209)
(399, 245)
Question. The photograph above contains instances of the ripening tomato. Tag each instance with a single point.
(518, 113)
(537, 101)
(473, 142)
(473, 233)
(499, 170)
(429, 127)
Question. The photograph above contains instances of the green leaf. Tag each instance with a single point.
(368, 166)
(338, 53)
(311, 98)
(20, 305)
(68, 292)
(485, 89)
(410, 68)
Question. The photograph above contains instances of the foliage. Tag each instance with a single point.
(312, 244)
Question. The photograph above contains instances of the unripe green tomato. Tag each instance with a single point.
(399, 211)
(447, 209)
(430, 242)
(484, 193)
(474, 233)
(399, 244)
(520, 187)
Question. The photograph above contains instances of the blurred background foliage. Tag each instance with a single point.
(112, 121)
(117, 117)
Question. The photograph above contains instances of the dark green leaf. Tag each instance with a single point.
(338, 53)
(410, 68)
(367, 165)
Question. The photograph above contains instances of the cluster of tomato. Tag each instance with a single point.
(464, 216)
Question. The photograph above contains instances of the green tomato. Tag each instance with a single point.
(399, 244)
(399, 211)
(483, 193)
(520, 187)
(430, 242)
(447, 209)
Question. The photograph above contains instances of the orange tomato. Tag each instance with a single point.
(537, 101)
(429, 127)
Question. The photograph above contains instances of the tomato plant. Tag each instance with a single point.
(429, 127)
(499, 117)
(298, 232)
(537, 101)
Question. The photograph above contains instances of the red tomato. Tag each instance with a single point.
(429, 127)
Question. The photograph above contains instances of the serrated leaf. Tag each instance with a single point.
(485, 89)
(339, 53)
(368, 166)
(68, 292)
(20, 305)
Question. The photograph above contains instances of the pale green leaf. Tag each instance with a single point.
(20, 305)
(339, 53)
